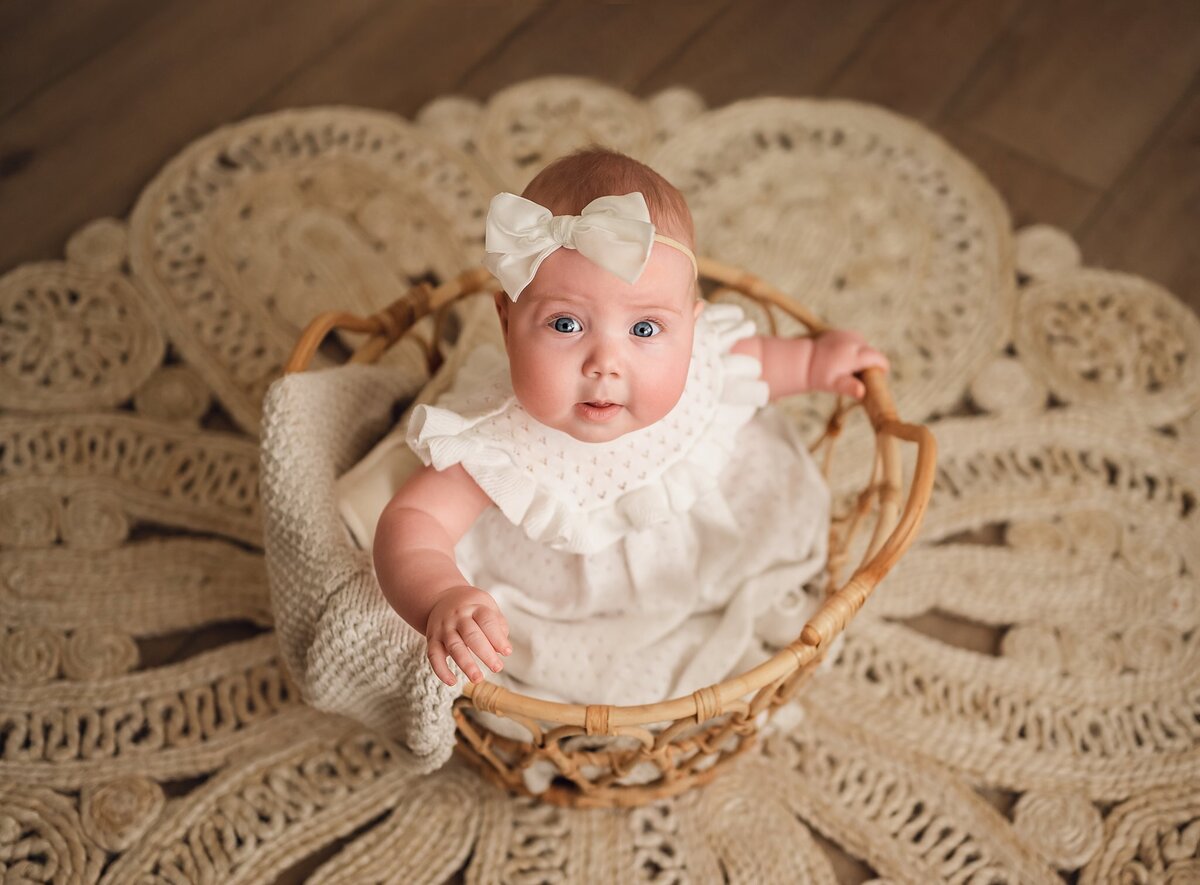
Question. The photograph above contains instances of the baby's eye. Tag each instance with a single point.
(645, 329)
(566, 324)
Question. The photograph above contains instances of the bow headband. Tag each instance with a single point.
(614, 232)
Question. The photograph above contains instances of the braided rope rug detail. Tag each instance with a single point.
(1061, 744)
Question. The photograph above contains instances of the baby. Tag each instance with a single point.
(612, 506)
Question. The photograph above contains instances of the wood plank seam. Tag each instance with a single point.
(99, 49)
(1135, 162)
(982, 62)
(863, 41)
(682, 47)
(499, 47)
(264, 100)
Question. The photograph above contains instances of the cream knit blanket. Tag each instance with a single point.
(348, 650)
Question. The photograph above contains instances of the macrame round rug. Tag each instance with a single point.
(1018, 703)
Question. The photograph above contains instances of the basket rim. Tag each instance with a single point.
(836, 610)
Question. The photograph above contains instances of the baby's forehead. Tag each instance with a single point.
(674, 298)
(611, 301)
(567, 275)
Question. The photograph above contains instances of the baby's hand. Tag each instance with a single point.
(837, 355)
(464, 620)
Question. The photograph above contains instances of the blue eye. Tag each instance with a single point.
(645, 329)
(567, 324)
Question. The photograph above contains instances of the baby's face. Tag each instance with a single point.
(594, 356)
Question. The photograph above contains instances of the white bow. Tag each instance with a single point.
(615, 232)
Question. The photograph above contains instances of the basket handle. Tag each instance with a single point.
(387, 326)
(391, 322)
(841, 606)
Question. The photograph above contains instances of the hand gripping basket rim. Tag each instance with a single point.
(713, 724)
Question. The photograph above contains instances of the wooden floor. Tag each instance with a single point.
(1084, 113)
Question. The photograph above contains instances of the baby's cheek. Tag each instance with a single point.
(539, 389)
(658, 398)
(661, 400)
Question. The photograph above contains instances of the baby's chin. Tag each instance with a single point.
(597, 434)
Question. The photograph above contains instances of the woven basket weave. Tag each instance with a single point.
(601, 754)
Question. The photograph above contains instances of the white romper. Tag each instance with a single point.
(648, 567)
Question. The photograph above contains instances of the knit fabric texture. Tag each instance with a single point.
(344, 646)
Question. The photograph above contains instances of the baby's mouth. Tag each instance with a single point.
(598, 410)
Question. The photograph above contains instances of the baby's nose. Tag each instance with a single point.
(602, 360)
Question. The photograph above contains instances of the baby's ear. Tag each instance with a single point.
(699, 307)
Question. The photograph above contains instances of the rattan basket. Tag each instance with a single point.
(671, 746)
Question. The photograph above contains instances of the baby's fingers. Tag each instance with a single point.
(463, 657)
(479, 644)
(495, 628)
(848, 385)
(437, 659)
(869, 357)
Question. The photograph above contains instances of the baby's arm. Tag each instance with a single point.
(414, 561)
(827, 362)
